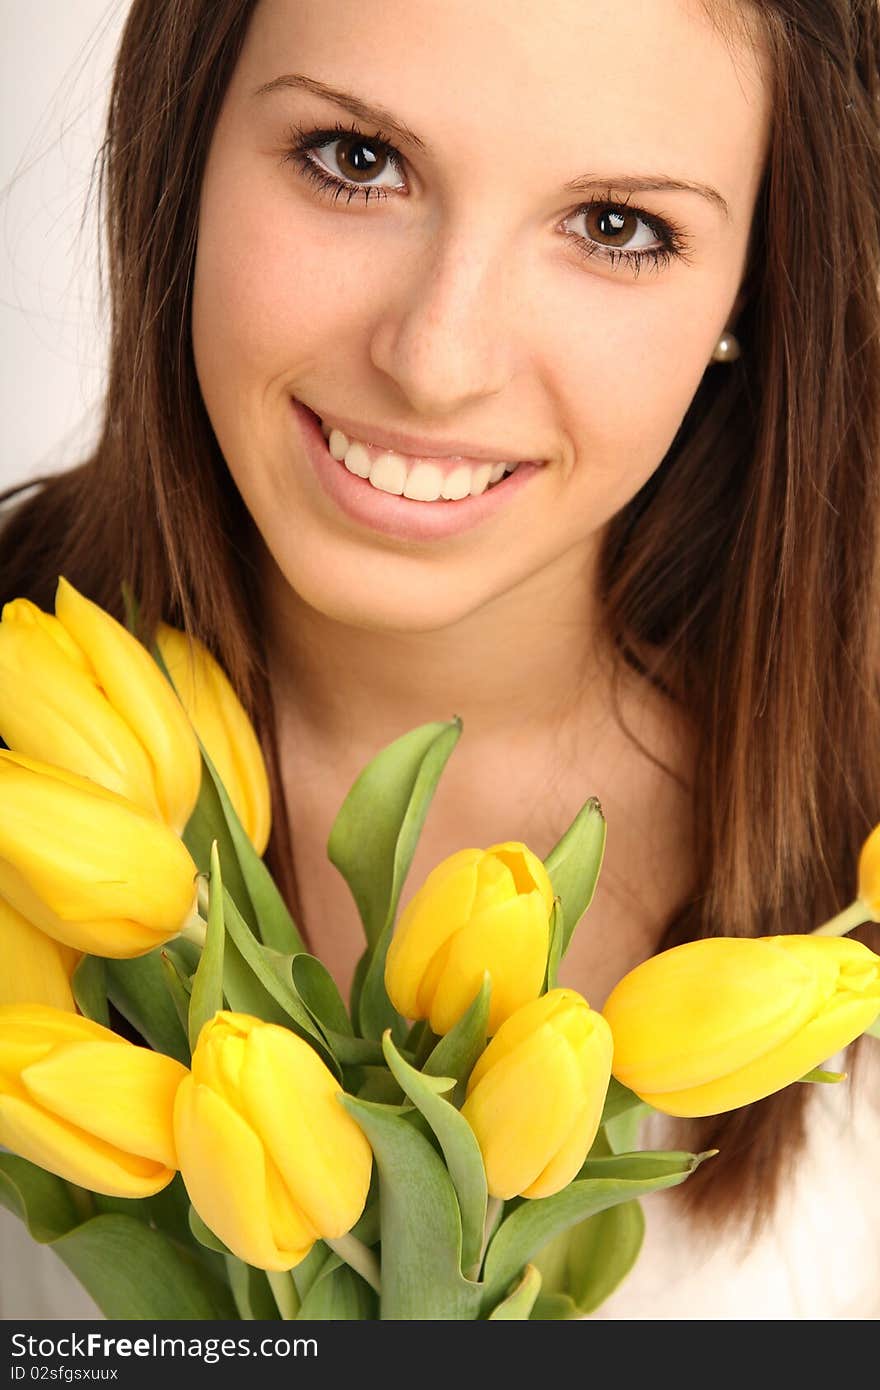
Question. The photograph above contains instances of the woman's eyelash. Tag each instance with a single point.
(674, 244)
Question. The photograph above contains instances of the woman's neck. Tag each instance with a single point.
(529, 661)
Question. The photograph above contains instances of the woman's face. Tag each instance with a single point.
(509, 289)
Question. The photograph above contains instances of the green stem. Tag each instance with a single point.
(359, 1256)
(194, 930)
(284, 1292)
(426, 1044)
(850, 917)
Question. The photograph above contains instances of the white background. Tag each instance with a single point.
(56, 58)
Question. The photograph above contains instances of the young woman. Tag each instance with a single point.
(522, 361)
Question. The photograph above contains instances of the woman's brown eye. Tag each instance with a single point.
(611, 224)
(358, 159)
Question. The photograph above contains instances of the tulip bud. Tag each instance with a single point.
(221, 723)
(79, 691)
(478, 910)
(36, 968)
(535, 1097)
(715, 1024)
(869, 874)
(271, 1160)
(87, 867)
(84, 1103)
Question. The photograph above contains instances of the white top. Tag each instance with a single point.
(818, 1259)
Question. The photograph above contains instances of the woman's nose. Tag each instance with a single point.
(445, 335)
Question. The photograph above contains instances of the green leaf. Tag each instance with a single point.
(375, 833)
(554, 953)
(372, 843)
(420, 1222)
(250, 1290)
(338, 1295)
(45, 1203)
(306, 1272)
(134, 1272)
(574, 863)
(89, 983)
(283, 994)
(317, 989)
(274, 923)
(129, 1269)
(353, 1052)
(601, 1183)
(457, 1052)
(554, 1307)
(207, 984)
(588, 1261)
(874, 1029)
(205, 1236)
(618, 1100)
(519, 1303)
(138, 990)
(177, 984)
(829, 1077)
(459, 1145)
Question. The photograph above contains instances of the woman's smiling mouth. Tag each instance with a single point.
(398, 493)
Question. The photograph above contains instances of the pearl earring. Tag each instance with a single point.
(727, 348)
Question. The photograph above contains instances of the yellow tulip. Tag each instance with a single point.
(36, 968)
(869, 874)
(478, 910)
(271, 1160)
(84, 1103)
(535, 1097)
(716, 1024)
(87, 867)
(221, 723)
(79, 691)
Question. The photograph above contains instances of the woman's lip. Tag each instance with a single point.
(452, 451)
(400, 516)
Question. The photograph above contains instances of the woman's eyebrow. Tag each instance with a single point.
(588, 183)
(376, 115)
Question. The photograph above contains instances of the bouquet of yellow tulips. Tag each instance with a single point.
(203, 1128)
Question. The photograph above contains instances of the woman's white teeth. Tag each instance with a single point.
(423, 482)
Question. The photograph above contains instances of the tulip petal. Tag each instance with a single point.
(521, 1111)
(704, 1009)
(108, 936)
(594, 1061)
(223, 1168)
(87, 853)
(509, 940)
(495, 885)
(36, 968)
(319, 1150)
(520, 1026)
(136, 687)
(115, 1090)
(290, 1229)
(62, 1148)
(52, 709)
(223, 727)
(818, 1040)
(869, 872)
(528, 870)
(433, 914)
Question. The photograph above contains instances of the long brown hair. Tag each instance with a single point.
(743, 579)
